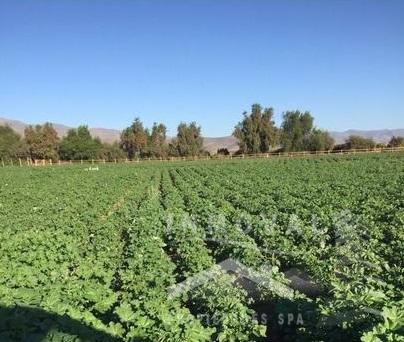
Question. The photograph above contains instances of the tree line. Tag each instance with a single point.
(256, 133)
(136, 141)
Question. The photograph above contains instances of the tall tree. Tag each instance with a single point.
(157, 141)
(257, 131)
(134, 139)
(79, 144)
(11, 145)
(296, 129)
(189, 141)
(42, 141)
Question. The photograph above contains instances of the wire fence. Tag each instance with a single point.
(47, 162)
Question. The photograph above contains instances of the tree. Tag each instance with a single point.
(11, 145)
(296, 130)
(134, 139)
(137, 141)
(157, 146)
(358, 142)
(110, 152)
(257, 131)
(188, 142)
(79, 144)
(42, 141)
(319, 140)
(223, 151)
(396, 142)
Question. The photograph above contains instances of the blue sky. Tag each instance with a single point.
(104, 62)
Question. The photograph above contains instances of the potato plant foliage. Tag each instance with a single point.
(92, 255)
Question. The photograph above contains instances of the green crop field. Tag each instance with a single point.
(288, 249)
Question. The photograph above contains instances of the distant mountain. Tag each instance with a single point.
(211, 144)
(379, 136)
(105, 134)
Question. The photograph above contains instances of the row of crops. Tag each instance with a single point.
(283, 250)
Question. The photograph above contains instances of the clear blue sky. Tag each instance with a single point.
(104, 62)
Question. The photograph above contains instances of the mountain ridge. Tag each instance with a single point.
(211, 144)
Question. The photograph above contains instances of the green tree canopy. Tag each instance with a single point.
(296, 129)
(110, 152)
(396, 142)
(11, 145)
(189, 141)
(318, 140)
(257, 131)
(134, 139)
(42, 141)
(223, 151)
(157, 146)
(79, 144)
(358, 142)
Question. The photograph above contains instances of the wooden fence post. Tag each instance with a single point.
(2, 162)
(19, 159)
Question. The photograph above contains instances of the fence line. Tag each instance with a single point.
(43, 162)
